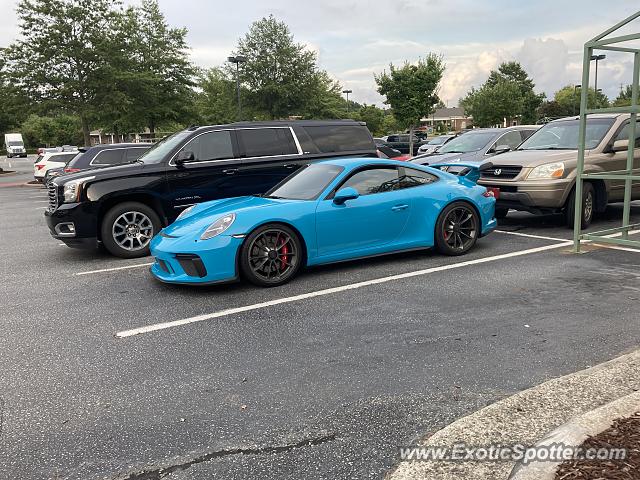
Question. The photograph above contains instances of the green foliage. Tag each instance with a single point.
(374, 117)
(411, 90)
(323, 99)
(50, 131)
(569, 99)
(389, 124)
(507, 93)
(217, 103)
(13, 104)
(624, 97)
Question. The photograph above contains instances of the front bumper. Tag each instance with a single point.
(83, 219)
(538, 196)
(189, 260)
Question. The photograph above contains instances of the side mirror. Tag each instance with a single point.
(620, 146)
(344, 194)
(185, 156)
(501, 149)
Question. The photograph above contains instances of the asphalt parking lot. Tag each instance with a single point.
(321, 378)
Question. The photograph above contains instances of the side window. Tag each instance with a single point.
(266, 142)
(392, 138)
(410, 177)
(211, 146)
(624, 133)
(374, 180)
(526, 134)
(134, 153)
(108, 157)
(511, 139)
(342, 138)
(60, 158)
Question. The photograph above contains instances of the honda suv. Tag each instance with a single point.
(124, 206)
(540, 176)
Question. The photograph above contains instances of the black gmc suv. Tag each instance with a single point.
(124, 206)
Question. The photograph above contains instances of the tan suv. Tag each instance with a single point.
(540, 176)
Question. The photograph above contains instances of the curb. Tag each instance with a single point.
(523, 419)
(575, 432)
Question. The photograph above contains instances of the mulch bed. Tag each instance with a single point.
(624, 433)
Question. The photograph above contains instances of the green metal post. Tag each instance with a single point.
(582, 133)
(631, 150)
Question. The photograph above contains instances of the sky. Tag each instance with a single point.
(354, 39)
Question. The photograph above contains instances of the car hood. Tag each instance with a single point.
(533, 158)
(204, 214)
(108, 172)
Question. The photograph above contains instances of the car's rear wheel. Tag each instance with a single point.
(457, 229)
(271, 255)
(588, 206)
(128, 228)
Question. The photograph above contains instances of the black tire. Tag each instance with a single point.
(135, 221)
(271, 255)
(501, 213)
(457, 229)
(588, 206)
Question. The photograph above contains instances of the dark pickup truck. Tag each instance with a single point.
(401, 142)
(124, 206)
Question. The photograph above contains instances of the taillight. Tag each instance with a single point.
(39, 167)
(71, 170)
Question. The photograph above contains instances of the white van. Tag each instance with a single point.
(15, 145)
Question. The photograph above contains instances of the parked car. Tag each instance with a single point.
(64, 148)
(330, 211)
(479, 145)
(401, 142)
(540, 176)
(107, 155)
(14, 145)
(433, 145)
(124, 206)
(50, 160)
(388, 152)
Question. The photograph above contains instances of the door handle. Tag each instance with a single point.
(397, 208)
(230, 171)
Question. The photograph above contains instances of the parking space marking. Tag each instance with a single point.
(329, 291)
(528, 235)
(114, 269)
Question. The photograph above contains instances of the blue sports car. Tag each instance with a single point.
(329, 211)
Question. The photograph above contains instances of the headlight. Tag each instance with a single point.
(184, 212)
(219, 226)
(73, 189)
(550, 170)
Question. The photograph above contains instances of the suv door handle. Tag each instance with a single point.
(397, 208)
(230, 171)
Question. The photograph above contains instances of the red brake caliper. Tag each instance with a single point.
(285, 258)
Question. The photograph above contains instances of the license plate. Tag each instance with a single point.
(496, 192)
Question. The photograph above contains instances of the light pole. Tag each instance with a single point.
(347, 92)
(575, 89)
(238, 59)
(597, 58)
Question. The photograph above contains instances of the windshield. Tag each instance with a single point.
(469, 142)
(563, 135)
(13, 143)
(307, 183)
(159, 151)
(439, 140)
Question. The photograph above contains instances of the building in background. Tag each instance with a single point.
(449, 119)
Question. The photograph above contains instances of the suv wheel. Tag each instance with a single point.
(128, 228)
(588, 206)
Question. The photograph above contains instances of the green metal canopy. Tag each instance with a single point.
(620, 235)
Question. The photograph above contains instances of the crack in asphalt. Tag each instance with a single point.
(156, 473)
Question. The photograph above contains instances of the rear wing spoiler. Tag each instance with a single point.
(471, 171)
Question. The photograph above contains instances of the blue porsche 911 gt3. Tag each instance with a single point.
(329, 211)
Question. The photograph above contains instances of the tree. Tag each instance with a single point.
(513, 72)
(412, 90)
(491, 104)
(281, 75)
(373, 117)
(216, 104)
(48, 131)
(14, 105)
(568, 98)
(624, 97)
(324, 99)
(62, 54)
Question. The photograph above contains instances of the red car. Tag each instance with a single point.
(388, 152)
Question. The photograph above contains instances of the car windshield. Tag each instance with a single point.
(563, 135)
(439, 140)
(13, 143)
(307, 183)
(159, 151)
(469, 142)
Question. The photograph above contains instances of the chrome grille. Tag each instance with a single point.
(53, 196)
(502, 171)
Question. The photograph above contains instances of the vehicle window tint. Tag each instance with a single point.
(392, 138)
(403, 138)
(307, 183)
(211, 146)
(108, 157)
(75, 160)
(265, 142)
(410, 177)
(64, 158)
(135, 153)
(374, 180)
(624, 133)
(511, 139)
(526, 134)
(340, 138)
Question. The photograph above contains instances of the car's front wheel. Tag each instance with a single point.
(457, 229)
(588, 206)
(271, 255)
(128, 228)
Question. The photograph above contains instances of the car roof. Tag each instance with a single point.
(350, 162)
(281, 123)
(105, 146)
(47, 155)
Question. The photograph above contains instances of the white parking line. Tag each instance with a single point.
(528, 235)
(115, 269)
(330, 291)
